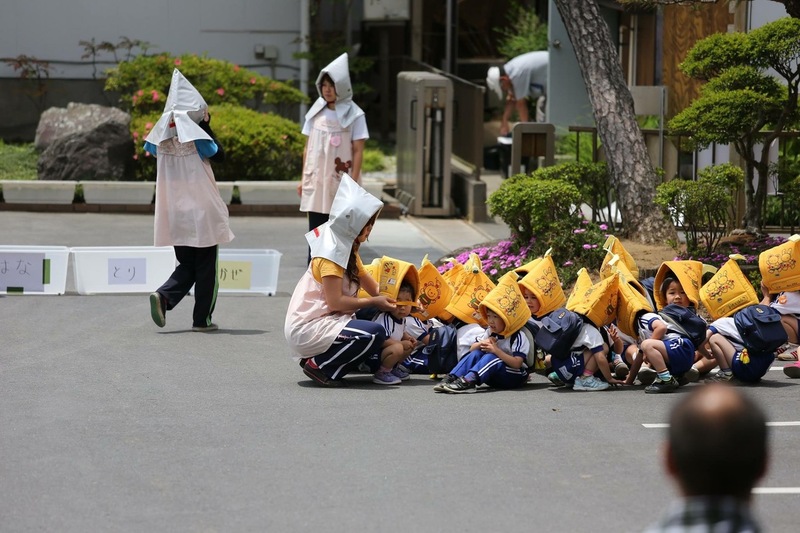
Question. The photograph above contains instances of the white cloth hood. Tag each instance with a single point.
(346, 110)
(184, 109)
(352, 207)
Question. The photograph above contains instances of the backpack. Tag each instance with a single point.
(559, 331)
(760, 328)
(534, 359)
(441, 350)
(686, 321)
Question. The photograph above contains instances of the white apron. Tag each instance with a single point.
(189, 208)
(311, 327)
(330, 154)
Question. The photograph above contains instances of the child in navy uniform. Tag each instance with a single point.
(398, 343)
(662, 346)
(587, 356)
(498, 358)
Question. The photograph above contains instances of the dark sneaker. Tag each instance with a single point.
(446, 380)
(459, 386)
(205, 329)
(319, 377)
(646, 375)
(659, 386)
(157, 310)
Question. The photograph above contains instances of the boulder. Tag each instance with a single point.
(84, 142)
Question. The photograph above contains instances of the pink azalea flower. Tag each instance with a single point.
(252, 81)
(135, 134)
(135, 98)
(220, 91)
(568, 263)
(155, 96)
(177, 61)
(587, 246)
(603, 227)
(136, 157)
(148, 126)
(579, 230)
(140, 92)
(236, 68)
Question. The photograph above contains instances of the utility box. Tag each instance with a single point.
(424, 143)
(532, 140)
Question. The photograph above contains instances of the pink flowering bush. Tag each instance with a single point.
(579, 246)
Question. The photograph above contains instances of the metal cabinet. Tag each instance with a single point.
(424, 143)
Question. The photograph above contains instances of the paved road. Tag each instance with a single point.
(108, 423)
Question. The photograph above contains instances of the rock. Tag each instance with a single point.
(84, 142)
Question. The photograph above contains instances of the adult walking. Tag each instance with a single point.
(523, 77)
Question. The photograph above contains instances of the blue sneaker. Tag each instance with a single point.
(401, 373)
(590, 384)
(386, 378)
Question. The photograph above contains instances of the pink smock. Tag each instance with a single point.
(329, 155)
(189, 208)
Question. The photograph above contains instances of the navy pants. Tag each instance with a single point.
(490, 370)
(198, 267)
(359, 341)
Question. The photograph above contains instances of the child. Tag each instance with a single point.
(498, 358)
(587, 356)
(662, 346)
(321, 328)
(337, 132)
(190, 214)
(419, 330)
(787, 303)
(398, 343)
(622, 352)
(730, 354)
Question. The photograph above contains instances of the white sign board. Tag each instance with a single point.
(22, 272)
(386, 10)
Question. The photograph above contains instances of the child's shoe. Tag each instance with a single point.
(720, 377)
(385, 378)
(793, 370)
(787, 352)
(691, 376)
(646, 375)
(446, 380)
(401, 373)
(659, 386)
(589, 383)
(620, 369)
(555, 380)
(459, 386)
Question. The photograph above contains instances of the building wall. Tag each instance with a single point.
(229, 30)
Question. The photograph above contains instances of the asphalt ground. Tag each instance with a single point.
(108, 423)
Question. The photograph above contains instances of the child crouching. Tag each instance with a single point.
(497, 359)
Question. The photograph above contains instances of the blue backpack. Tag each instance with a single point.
(441, 350)
(559, 331)
(760, 328)
(686, 321)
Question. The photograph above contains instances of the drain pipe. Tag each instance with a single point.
(305, 34)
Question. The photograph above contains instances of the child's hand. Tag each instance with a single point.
(488, 345)
(613, 332)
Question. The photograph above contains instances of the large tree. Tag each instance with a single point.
(632, 174)
(742, 103)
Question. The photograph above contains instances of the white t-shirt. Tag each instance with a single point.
(787, 303)
(646, 324)
(589, 338)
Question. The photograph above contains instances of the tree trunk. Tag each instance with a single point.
(632, 173)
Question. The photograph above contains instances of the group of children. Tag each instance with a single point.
(623, 330)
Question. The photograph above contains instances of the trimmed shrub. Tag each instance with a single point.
(704, 207)
(258, 146)
(143, 83)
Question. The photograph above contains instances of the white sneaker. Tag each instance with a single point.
(589, 383)
(787, 352)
